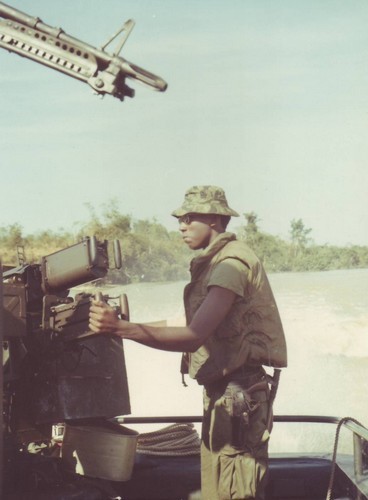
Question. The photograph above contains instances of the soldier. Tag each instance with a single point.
(233, 329)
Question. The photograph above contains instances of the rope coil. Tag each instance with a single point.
(173, 440)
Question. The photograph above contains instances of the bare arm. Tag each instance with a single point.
(217, 304)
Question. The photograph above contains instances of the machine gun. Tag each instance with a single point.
(55, 368)
(29, 37)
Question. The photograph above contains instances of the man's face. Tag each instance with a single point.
(196, 230)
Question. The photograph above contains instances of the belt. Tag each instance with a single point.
(251, 378)
(246, 372)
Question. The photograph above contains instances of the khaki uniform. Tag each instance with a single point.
(234, 453)
(235, 443)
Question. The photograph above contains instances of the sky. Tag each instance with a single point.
(266, 98)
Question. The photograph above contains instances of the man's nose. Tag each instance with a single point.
(183, 227)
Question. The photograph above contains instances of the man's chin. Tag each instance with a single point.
(191, 244)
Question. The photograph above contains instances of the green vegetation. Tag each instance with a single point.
(152, 253)
(149, 251)
(300, 253)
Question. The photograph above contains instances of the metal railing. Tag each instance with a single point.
(360, 439)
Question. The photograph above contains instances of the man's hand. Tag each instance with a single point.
(215, 307)
(103, 318)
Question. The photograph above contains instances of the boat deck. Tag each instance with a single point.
(177, 478)
(290, 477)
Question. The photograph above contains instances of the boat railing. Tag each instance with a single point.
(359, 474)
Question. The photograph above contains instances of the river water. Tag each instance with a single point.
(325, 317)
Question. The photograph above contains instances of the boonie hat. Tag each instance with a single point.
(205, 200)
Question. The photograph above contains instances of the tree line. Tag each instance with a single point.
(150, 252)
(299, 253)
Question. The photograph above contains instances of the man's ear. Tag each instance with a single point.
(217, 223)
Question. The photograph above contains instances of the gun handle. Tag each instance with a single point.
(99, 296)
(124, 307)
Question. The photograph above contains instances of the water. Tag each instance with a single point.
(325, 317)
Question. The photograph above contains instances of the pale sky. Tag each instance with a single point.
(266, 98)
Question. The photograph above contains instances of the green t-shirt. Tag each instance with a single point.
(231, 274)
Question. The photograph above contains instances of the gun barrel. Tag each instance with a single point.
(144, 76)
(9, 12)
(54, 48)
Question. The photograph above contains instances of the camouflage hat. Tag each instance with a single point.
(205, 200)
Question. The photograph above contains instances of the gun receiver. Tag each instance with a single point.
(35, 295)
(29, 37)
(56, 367)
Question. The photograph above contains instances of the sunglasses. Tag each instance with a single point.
(189, 218)
(186, 219)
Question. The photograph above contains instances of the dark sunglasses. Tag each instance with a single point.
(189, 218)
(186, 219)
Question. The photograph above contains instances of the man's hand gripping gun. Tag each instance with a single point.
(29, 37)
(37, 299)
(68, 318)
(51, 357)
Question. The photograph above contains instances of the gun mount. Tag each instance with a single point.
(55, 370)
(29, 37)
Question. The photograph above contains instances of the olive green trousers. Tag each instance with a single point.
(234, 452)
